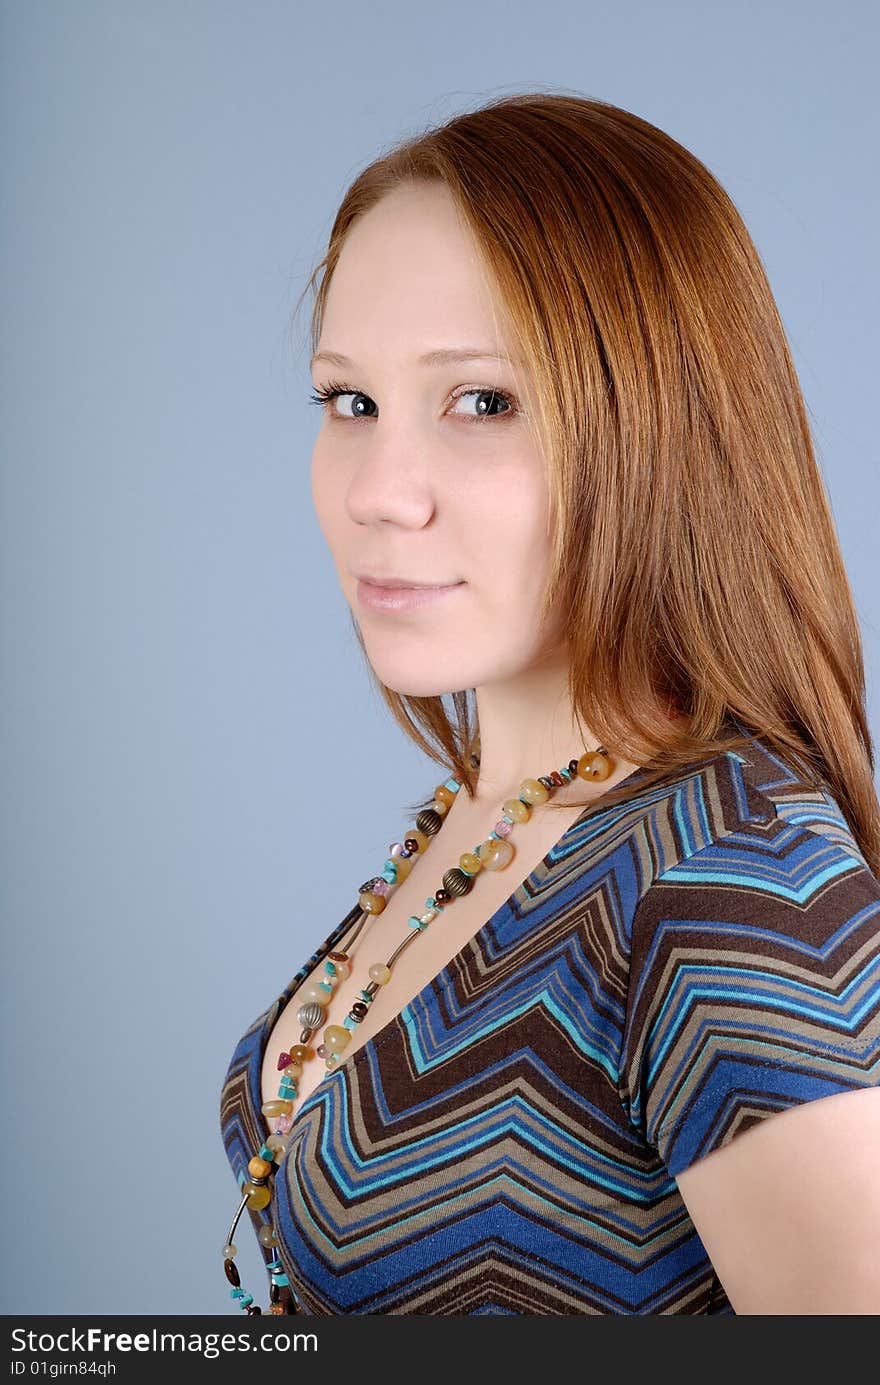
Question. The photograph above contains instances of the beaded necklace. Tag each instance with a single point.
(495, 853)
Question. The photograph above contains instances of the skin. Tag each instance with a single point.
(413, 484)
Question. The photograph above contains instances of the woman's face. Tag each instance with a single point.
(425, 471)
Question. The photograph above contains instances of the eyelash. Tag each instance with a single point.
(335, 388)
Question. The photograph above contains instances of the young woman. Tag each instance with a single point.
(614, 1047)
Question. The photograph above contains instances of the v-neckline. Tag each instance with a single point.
(441, 979)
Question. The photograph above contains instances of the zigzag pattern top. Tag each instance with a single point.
(677, 968)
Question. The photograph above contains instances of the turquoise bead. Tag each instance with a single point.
(280, 1279)
(566, 774)
(236, 1293)
(365, 995)
(330, 968)
(389, 872)
(267, 1153)
(494, 834)
(348, 1022)
(452, 784)
(414, 922)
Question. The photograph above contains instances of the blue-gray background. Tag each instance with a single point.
(189, 738)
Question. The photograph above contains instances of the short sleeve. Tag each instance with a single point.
(754, 985)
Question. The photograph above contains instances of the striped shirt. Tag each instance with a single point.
(677, 968)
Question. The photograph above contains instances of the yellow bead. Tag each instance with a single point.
(271, 1109)
(441, 809)
(516, 809)
(293, 1070)
(444, 795)
(594, 765)
(314, 992)
(258, 1196)
(470, 862)
(341, 964)
(336, 1038)
(379, 972)
(258, 1168)
(533, 791)
(371, 903)
(299, 1053)
(404, 865)
(495, 855)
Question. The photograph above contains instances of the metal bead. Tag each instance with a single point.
(310, 1015)
(429, 822)
(455, 882)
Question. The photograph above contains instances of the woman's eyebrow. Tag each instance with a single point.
(446, 356)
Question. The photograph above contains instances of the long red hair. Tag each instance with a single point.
(693, 547)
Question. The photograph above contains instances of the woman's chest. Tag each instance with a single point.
(426, 954)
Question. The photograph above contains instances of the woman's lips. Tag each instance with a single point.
(400, 598)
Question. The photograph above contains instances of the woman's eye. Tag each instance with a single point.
(488, 401)
(333, 393)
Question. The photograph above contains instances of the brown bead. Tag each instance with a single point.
(594, 766)
(557, 778)
(253, 1309)
(274, 1292)
(276, 1307)
(338, 956)
(359, 1009)
(441, 896)
(258, 1168)
(429, 822)
(232, 1273)
(456, 883)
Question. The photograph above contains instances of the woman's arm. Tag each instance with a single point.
(789, 1211)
